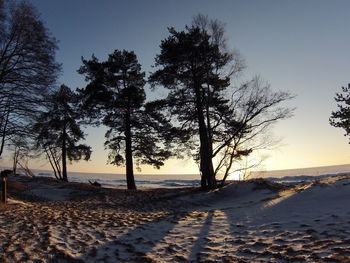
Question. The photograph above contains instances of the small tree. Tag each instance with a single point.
(58, 132)
(116, 95)
(21, 152)
(341, 117)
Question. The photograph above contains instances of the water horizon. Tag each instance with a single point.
(114, 180)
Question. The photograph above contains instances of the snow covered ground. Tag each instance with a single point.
(256, 221)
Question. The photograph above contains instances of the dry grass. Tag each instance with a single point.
(2, 206)
(266, 184)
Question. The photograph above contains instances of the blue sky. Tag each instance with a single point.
(299, 46)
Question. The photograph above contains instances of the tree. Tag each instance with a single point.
(59, 132)
(341, 118)
(196, 67)
(253, 109)
(188, 61)
(27, 67)
(116, 95)
(21, 152)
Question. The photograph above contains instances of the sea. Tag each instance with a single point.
(187, 180)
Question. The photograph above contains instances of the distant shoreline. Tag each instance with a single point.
(112, 180)
(342, 167)
(313, 171)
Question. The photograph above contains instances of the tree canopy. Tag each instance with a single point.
(341, 117)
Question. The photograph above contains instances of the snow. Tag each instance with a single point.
(244, 222)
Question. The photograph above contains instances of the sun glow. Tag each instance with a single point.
(235, 176)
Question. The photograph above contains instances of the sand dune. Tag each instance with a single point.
(254, 221)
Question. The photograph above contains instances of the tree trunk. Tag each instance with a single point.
(15, 160)
(52, 166)
(54, 163)
(3, 135)
(64, 154)
(206, 166)
(210, 136)
(227, 170)
(128, 153)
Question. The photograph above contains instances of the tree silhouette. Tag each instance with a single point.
(21, 149)
(27, 67)
(58, 131)
(189, 70)
(341, 117)
(116, 95)
(196, 67)
(253, 108)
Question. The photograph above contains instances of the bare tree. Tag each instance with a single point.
(254, 109)
(21, 151)
(27, 67)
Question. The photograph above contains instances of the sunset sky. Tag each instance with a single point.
(296, 45)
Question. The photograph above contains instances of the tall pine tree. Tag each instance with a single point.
(190, 69)
(116, 94)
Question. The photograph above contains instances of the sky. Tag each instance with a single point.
(298, 46)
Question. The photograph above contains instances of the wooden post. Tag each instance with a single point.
(4, 174)
(3, 190)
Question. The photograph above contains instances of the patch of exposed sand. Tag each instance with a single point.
(246, 222)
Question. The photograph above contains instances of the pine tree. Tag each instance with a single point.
(341, 118)
(116, 95)
(190, 66)
(59, 132)
(214, 119)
